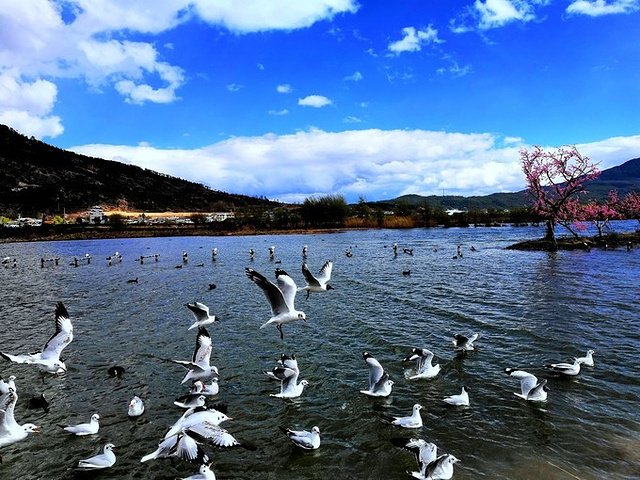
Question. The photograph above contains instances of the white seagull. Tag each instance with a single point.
(180, 446)
(463, 343)
(204, 473)
(48, 360)
(441, 468)
(289, 386)
(424, 365)
(8, 385)
(10, 431)
(201, 313)
(281, 298)
(82, 429)
(530, 388)
(190, 400)
(136, 407)
(204, 425)
(461, 399)
(570, 369)
(99, 462)
(317, 283)
(587, 359)
(208, 389)
(425, 453)
(284, 361)
(303, 438)
(199, 368)
(412, 421)
(379, 383)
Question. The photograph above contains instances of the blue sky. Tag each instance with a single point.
(290, 99)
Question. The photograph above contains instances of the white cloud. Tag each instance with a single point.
(316, 101)
(413, 40)
(356, 77)
(351, 119)
(244, 16)
(596, 8)
(496, 13)
(88, 40)
(278, 112)
(234, 87)
(378, 164)
(284, 88)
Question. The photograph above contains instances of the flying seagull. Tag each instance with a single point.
(317, 283)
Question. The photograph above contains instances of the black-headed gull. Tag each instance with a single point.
(425, 453)
(207, 389)
(284, 361)
(48, 360)
(200, 415)
(317, 283)
(204, 473)
(281, 298)
(303, 438)
(181, 446)
(289, 386)
(587, 359)
(99, 462)
(136, 407)
(190, 400)
(7, 385)
(201, 313)
(379, 383)
(530, 388)
(462, 399)
(464, 343)
(424, 363)
(199, 368)
(412, 421)
(570, 369)
(82, 429)
(441, 468)
(10, 431)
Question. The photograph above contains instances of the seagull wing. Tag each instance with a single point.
(272, 292)
(288, 288)
(202, 352)
(308, 276)
(527, 383)
(325, 272)
(376, 372)
(212, 434)
(62, 336)
(7, 420)
(200, 310)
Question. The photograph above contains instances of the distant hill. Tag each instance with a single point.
(38, 178)
(625, 178)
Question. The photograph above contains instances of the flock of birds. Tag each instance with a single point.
(200, 424)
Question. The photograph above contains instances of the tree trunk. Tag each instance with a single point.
(551, 234)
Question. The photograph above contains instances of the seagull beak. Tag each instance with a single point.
(38, 429)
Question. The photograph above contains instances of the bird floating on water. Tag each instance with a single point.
(99, 462)
(379, 383)
(463, 343)
(136, 407)
(424, 365)
(307, 440)
(531, 388)
(587, 359)
(82, 429)
(412, 421)
(462, 399)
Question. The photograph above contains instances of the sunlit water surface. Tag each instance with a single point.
(529, 308)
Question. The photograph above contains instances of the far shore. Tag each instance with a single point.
(51, 233)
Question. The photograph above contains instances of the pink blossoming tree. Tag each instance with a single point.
(555, 180)
(600, 214)
(630, 206)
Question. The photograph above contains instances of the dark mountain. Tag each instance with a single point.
(624, 178)
(38, 178)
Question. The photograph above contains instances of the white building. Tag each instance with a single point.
(96, 215)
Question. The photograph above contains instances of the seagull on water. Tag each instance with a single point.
(281, 298)
(203, 424)
(98, 462)
(464, 343)
(412, 421)
(530, 387)
(569, 369)
(201, 313)
(10, 431)
(289, 386)
(441, 468)
(303, 438)
(199, 368)
(587, 359)
(204, 473)
(461, 399)
(379, 383)
(284, 361)
(317, 283)
(425, 453)
(136, 407)
(48, 360)
(180, 446)
(424, 366)
(82, 429)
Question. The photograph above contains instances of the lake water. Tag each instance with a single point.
(529, 308)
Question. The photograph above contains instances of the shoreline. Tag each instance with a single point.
(51, 233)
